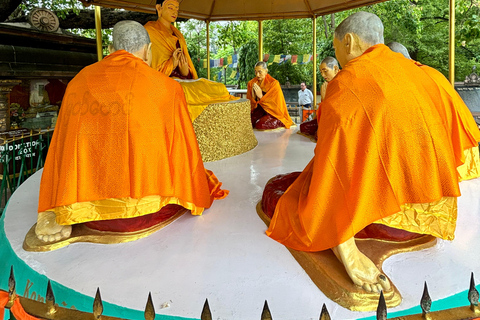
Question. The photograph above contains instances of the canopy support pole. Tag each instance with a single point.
(208, 49)
(451, 46)
(314, 88)
(98, 29)
(260, 40)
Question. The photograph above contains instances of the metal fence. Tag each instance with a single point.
(22, 153)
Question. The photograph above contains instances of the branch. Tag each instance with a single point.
(434, 18)
(325, 25)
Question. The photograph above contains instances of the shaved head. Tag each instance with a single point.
(130, 36)
(331, 62)
(261, 64)
(400, 48)
(367, 26)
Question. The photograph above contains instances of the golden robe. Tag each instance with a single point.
(272, 101)
(164, 43)
(123, 146)
(381, 145)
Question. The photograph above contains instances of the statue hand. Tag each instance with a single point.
(323, 90)
(183, 65)
(176, 57)
(257, 91)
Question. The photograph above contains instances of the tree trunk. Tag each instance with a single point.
(7, 7)
(86, 18)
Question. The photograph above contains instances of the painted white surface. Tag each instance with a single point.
(226, 257)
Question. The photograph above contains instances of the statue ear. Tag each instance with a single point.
(349, 42)
(159, 9)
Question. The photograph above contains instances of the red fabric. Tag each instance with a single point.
(262, 120)
(310, 128)
(137, 223)
(280, 183)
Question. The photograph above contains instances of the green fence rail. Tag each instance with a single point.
(22, 153)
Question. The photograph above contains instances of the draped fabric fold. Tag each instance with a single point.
(17, 309)
(202, 92)
(124, 133)
(164, 43)
(272, 101)
(381, 144)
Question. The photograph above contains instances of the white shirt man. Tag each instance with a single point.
(305, 96)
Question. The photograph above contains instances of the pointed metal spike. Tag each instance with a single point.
(426, 301)
(11, 282)
(12, 295)
(206, 314)
(324, 315)
(50, 296)
(149, 308)
(381, 308)
(50, 299)
(97, 305)
(473, 295)
(266, 315)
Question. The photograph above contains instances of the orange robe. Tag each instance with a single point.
(164, 43)
(459, 121)
(272, 101)
(123, 146)
(381, 144)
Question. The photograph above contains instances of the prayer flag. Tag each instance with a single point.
(235, 58)
(234, 73)
(229, 60)
(277, 58)
(265, 57)
(294, 59)
(221, 62)
(205, 63)
(212, 63)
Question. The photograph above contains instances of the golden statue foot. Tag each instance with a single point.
(331, 277)
(363, 272)
(48, 230)
(81, 233)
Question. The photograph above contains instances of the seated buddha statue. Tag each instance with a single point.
(268, 107)
(103, 168)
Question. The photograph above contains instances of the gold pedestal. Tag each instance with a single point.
(81, 233)
(330, 276)
(225, 130)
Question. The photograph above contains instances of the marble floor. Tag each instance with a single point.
(225, 256)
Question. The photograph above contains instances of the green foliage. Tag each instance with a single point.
(247, 57)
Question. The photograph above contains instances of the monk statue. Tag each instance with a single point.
(268, 107)
(384, 157)
(458, 119)
(169, 49)
(104, 170)
(328, 69)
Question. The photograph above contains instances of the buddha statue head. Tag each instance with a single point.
(329, 68)
(167, 10)
(356, 34)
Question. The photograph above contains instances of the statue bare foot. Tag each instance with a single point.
(360, 268)
(48, 230)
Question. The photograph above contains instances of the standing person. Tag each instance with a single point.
(305, 96)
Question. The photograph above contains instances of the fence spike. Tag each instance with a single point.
(382, 307)
(266, 315)
(50, 299)
(206, 314)
(97, 305)
(324, 315)
(473, 295)
(11, 282)
(426, 301)
(12, 295)
(149, 308)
